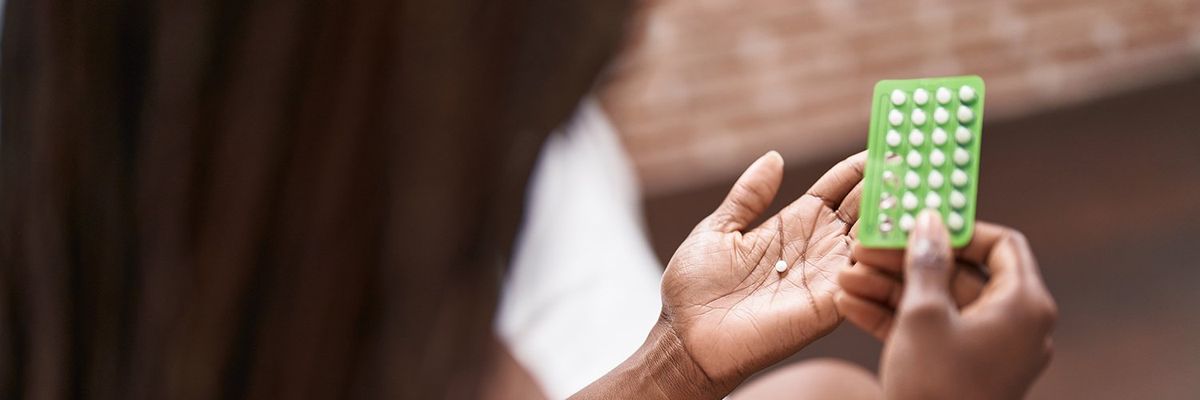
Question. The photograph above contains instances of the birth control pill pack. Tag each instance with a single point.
(922, 152)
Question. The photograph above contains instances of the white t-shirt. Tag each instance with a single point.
(584, 286)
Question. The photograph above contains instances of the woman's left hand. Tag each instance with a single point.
(722, 296)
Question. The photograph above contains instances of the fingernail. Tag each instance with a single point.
(774, 154)
(928, 220)
(925, 232)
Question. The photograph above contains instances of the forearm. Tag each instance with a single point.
(660, 369)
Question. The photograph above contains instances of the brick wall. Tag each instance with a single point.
(705, 86)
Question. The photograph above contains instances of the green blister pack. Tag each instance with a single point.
(922, 152)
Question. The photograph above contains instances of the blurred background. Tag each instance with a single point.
(1091, 145)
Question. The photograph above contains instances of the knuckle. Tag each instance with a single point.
(1016, 238)
(1041, 310)
(1048, 352)
(1046, 313)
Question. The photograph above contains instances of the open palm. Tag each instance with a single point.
(721, 292)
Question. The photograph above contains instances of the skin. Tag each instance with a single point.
(726, 312)
(823, 378)
(949, 334)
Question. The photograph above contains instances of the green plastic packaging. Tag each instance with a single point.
(924, 145)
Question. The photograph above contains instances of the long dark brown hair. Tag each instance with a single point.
(270, 199)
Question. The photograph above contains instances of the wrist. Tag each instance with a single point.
(661, 369)
(680, 375)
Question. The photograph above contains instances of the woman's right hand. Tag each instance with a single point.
(995, 346)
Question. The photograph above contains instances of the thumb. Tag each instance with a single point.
(928, 266)
(750, 196)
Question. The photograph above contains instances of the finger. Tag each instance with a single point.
(865, 314)
(983, 241)
(1017, 284)
(866, 282)
(891, 260)
(750, 196)
(976, 252)
(1009, 259)
(833, 187)
(967, 285)
(928, 266)
(848, 210)
(871, 283)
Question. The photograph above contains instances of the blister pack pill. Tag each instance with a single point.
(922, 152)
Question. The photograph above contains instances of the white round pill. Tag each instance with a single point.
(885, 226)
(941, 116)
(781, 266)
(909, 201)
(962, 135)
(938, 136)
(895, 117)
(898, 97)
(943, 95)
(907, 222)
(918, 117)
(937, 158)
(965, 115)
(958, 178)
(912, 180)
(914, 159)
(933, 200)
(954, 221)
(961, 157)
(921, 96)
(957, 200)
(916, 137)
(936, 179)
(892, 138)
(966, 94)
